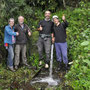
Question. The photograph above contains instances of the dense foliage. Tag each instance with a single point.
(78, 32)
(78, 38)
(79, 48)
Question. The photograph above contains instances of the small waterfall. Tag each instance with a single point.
(49, 79)
(51, 61)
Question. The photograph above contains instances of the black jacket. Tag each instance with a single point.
(60, 32)
(47, 27)
(23, 32)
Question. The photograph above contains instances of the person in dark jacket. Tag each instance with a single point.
(9, 41)
(59, 37)
(45, 29)
(21, 41)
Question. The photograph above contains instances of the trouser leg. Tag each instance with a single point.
(10, 56)
(47, 45)
(58, 52)
(64, 52)
(40, 47)
(17, 54)
(23, 51)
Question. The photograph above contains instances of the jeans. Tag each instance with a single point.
(20, 48)
(10, 55)
(44, 44)
(61, 48)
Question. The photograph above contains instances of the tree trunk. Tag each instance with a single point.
(64, 3)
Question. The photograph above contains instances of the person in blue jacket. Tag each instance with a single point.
(9, 40)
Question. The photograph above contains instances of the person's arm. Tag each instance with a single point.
(53, 34)
(9, 31)
(28, 30)
(39, 28)
(65, 23)
(53, 37)
(15, 28)
(52, 28)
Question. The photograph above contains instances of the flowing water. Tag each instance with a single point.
(49, 79)
(51, 61)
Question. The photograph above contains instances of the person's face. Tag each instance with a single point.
(11, 23)
(21, 20)
(56, 21)
(47, 14)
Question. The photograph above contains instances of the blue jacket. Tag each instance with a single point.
(8, 34)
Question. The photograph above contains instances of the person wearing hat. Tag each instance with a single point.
(59, 37)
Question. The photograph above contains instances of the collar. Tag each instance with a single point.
(46, 19)
(10, 26)
(22, 24)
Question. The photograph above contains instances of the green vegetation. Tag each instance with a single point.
(78, 38)
(23, 75)
(79, 48)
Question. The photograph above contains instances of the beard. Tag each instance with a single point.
(21, 23)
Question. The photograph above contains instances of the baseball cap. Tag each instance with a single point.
(55, 16)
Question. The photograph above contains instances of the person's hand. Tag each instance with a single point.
(17, 33)
(63, 18)
(29, 33)
(53, 39)
(40, 28)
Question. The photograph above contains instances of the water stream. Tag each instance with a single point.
(51, 61)
(49, 79)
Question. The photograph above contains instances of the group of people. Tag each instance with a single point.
(16, 36)
(50, 31)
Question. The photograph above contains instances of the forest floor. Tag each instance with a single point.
(16, 79)
(20, 80)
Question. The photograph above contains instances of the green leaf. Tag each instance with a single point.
(87, 61)
(85, 43)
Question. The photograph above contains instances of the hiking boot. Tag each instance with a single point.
(59, 67)
(16, 67)
(46, 66)
(11, 69)
(27, 65)
(40, 63)
(66, 67)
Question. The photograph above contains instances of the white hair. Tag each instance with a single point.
(11, 19)
(20, 17)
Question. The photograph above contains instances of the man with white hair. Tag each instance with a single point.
(21, 41)
(59, 37)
